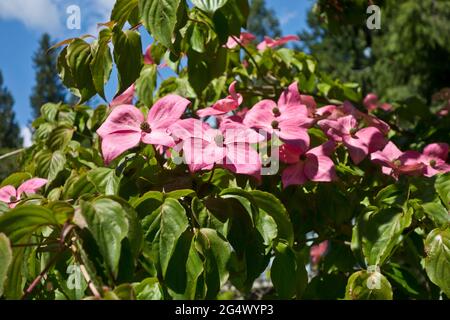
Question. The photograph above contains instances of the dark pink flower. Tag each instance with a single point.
(313, 165)
(288, 119)
(317, 251)
(125, 98)
(273, 43)
(359, 142)
(229, 146)
(395, 162)
(126, 126)
(223, 106)
(245, 38)
(434, 158)
(372, 103)
(11, 196)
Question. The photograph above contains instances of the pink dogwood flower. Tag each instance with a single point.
(313, 165)
(359, 142)
(434, 158)
(229, 146)
(395, 162)
(273, 43)
(125, 98)
(11, 196)
(317, 251)
(372, 103)
(223, 106)
(126, 126)
(245, 38)
(288, 119)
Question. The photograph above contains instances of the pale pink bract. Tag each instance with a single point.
(223, 106)
(11, 196)
(126, 126)
(273, 43)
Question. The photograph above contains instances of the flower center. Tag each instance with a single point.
(353, 131)
(219, 139)
(275, 124)
(276, 112)
(302, 157)
(145, 127)
(433, 163)
(397, 163)
(12, 199)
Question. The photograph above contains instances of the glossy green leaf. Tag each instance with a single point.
(105, 180)
(16, 179)
(107, 222)
(209, 5)
(59, 138)
(101, 64)
(269, 204)
(5, 259)
(437, 260)
(19, 223)
(173, 223)
(161, 18)
(363, 285)
(146, 84)
(50, 164)
(282, 271)
(127, 56)
(442, 186)
(122, 11)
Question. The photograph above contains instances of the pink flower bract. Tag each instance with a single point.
(126, 127)
(288, 119)
(223, 106)
(11, 196)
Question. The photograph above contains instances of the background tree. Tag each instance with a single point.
(9, 130)
(48, 87)
(263, 21)
(396, 62)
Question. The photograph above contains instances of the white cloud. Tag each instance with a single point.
(42, 15)
(287, 17)
(26, 135)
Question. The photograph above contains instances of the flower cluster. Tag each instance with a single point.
(233, 143)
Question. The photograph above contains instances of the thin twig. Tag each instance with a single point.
(85, 273)
(13, 153)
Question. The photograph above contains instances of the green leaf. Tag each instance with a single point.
(173, 223)
(75, 72)
(197, 39)
(127, 56)
(49, 164)
(107, 222)
(122, 11)
(16, 179)
(442, 186)
(269, 204)
(161, 18)
(437, 261)
(438, 213)
(59, 138)
(282, 271)
(104, 180)
(146, 84)
(49, 111)
(379, 232)
(209, 6)
(218, 253)
(363, 285)
(20, 222)
(101, 64)
(5, 259)
(148, 289)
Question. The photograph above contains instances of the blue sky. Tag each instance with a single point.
(23, 21)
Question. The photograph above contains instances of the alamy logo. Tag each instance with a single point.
(374, 280)
(374, 20)
(74, 18)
